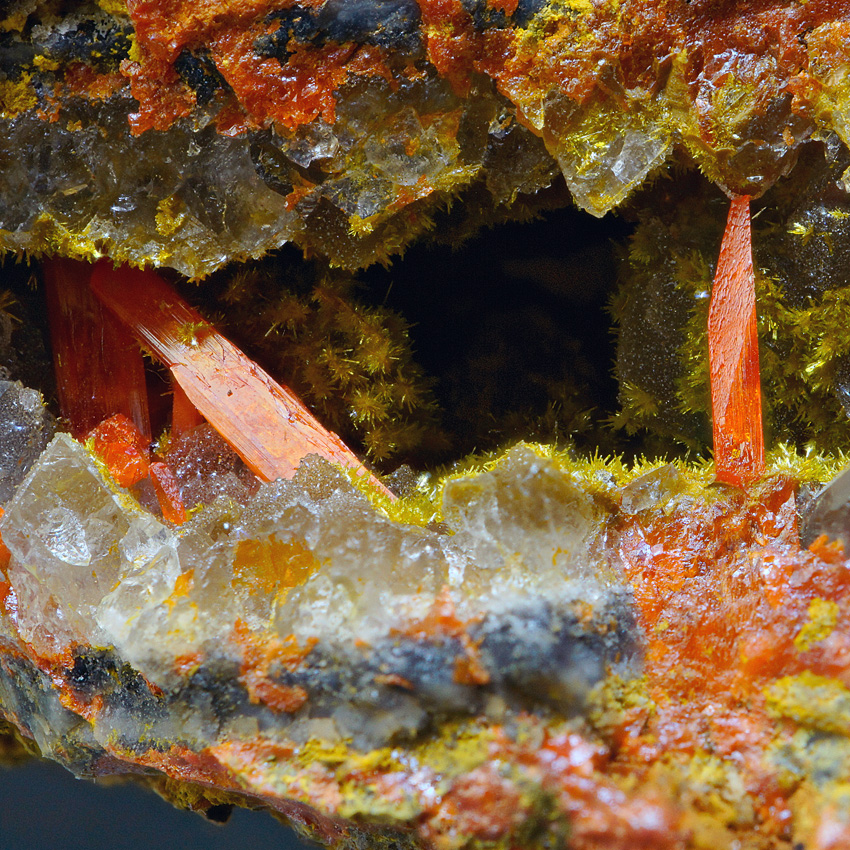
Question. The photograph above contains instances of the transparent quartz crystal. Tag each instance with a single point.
(75, 538)
(310, 557)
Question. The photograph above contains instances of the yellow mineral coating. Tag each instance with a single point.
(460, 747)
(17, 96)
(614, 698)
(113, 7)
(823, 617)
(816, 702)
(423, 506)
(735, 102)
(169, 216)
(44, 63)
(720, 787)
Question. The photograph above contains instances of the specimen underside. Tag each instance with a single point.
(535, 647)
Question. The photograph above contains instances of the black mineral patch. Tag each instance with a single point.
(392, 24)
(539, 654)
(219, 681)
(29, 700)
(15, 55)
(387, 23)
(200, 74)
(102, 673)
(97, 43)
(91, 672)
(485, 17)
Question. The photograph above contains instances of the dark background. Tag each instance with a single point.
(43, 806)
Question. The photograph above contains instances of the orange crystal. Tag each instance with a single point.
(123, 448)
(168, 493)
(267, 425)
(99, 368)
(734, 355)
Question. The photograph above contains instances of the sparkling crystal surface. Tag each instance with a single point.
(421, 699)
(309, 557)
(25, 429)
(73, 537)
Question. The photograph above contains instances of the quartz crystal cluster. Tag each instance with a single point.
(311, 560)
(158, 133)
(491, 660)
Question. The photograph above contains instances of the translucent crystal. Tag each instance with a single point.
(311, 558)
(312, 142)
(369, 565)
(77, 538)
(653, 489)
(526, 527)
(25, 429)
(158, 196)
(828, 512)
(206, 467)
(602, 166)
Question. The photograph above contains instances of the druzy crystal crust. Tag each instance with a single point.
(498, 672)
(155, 133)
(25, 429)
(304, 618)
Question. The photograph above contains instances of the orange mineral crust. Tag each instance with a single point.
(580, 49)
(747, 642)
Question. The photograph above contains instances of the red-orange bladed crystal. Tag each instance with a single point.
(99, 368)
(167, 493)
(184, 415)
(266, 424)
(734, 355)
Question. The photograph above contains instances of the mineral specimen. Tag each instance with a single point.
(158, 132)
(372, 680)
(526, 650)
(800, 240)
(25, 429)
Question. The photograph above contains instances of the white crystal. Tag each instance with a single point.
(89, 564)
(525, 524)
